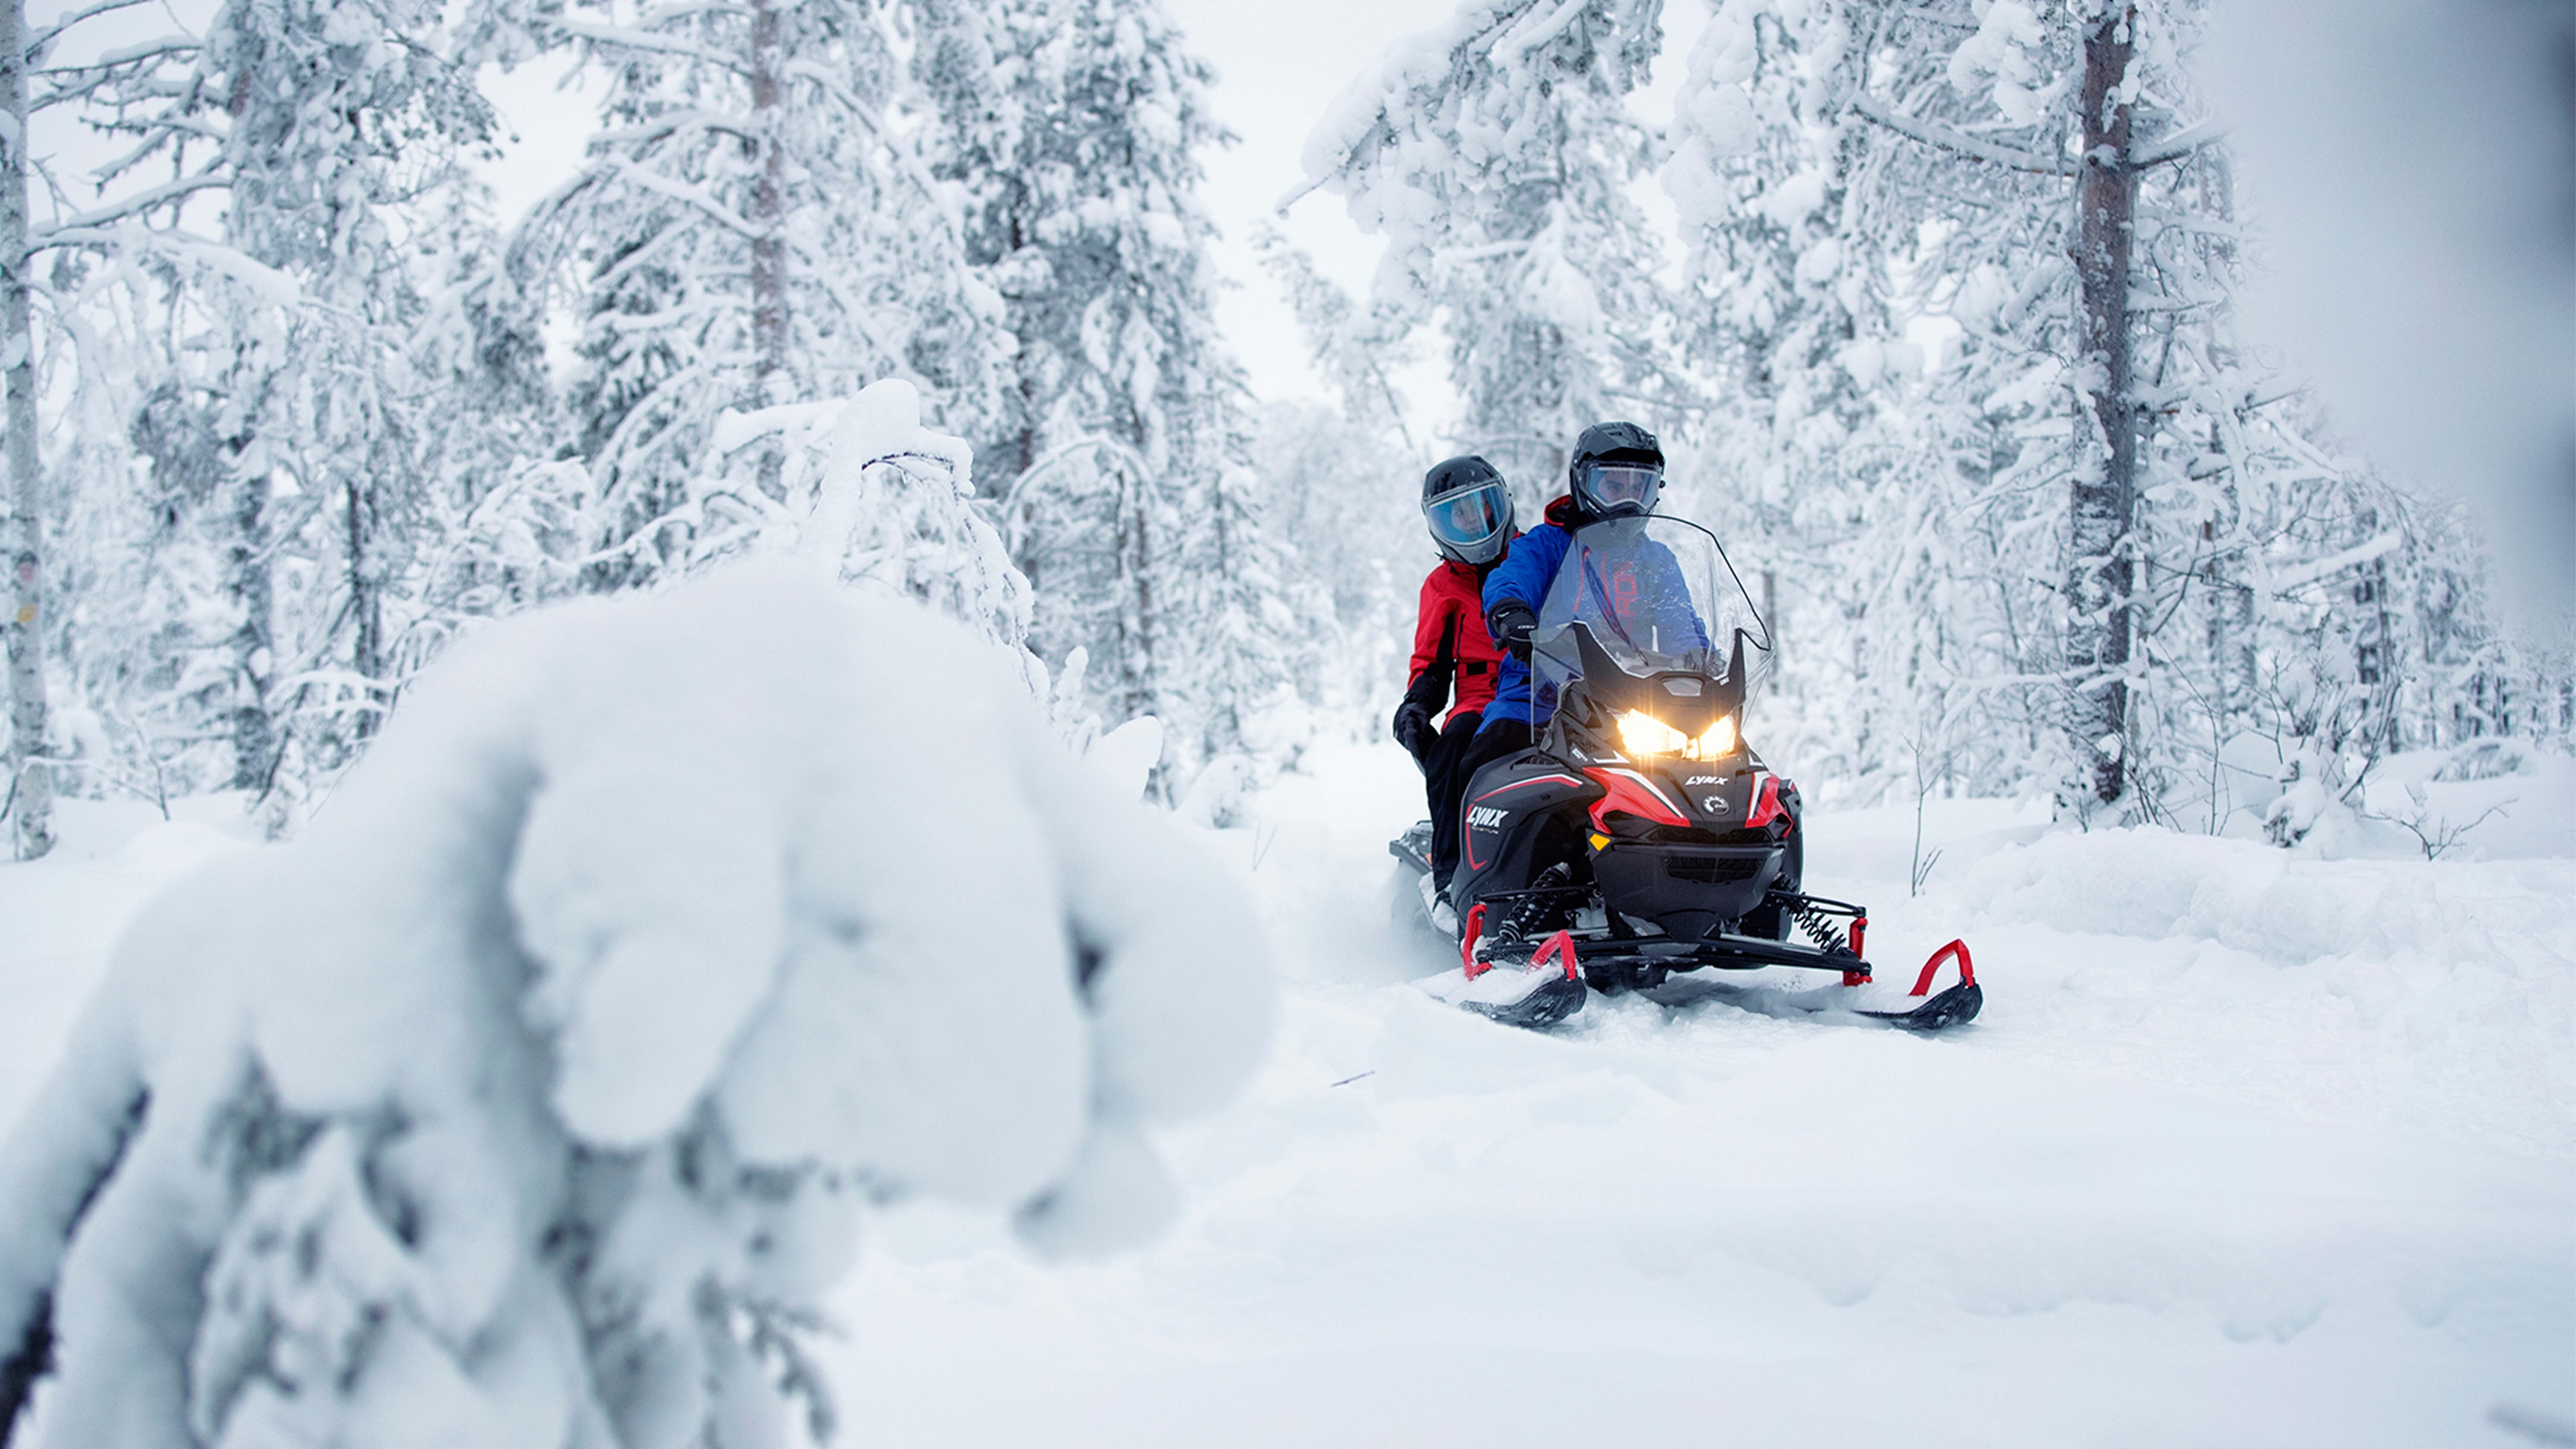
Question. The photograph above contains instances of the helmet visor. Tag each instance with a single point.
(1466, 517)
(1619, 486)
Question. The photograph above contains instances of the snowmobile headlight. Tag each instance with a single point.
(1645, 736)
(1719, 741)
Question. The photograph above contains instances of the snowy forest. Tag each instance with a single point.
(293, 409)
(650, 807)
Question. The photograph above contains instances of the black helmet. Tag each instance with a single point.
(1468, 508)
(1617, 470)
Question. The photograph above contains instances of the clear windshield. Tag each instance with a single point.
(1657, 593)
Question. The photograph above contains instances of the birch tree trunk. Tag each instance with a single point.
(2105, 484)
(33, 783)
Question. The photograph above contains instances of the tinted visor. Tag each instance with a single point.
(1467, 516)
(1619, 485)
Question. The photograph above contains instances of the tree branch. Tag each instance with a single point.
(1957, 143)
(2178, 145)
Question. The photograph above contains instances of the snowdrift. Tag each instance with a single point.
(527, 1098)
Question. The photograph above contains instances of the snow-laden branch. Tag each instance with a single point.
(1533, 30)
(2178, 145)
(695, 197)
(2332, 564)
(132, 206)
(626, 37)
(1959, 143)
(51, 33)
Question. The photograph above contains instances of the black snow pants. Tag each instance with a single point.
(1445, 771)
(1460, 753)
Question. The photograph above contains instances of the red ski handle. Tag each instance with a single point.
(1967, 969)
(1560, 946)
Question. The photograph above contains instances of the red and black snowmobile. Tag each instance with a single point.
(1640, 835)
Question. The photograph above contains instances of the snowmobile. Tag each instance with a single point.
(1640, 836)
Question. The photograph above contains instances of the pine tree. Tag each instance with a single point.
(1075, 127)
(753, 228)
(279, 407)
(1494, 154)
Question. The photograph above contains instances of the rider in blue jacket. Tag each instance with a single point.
(1617, 470)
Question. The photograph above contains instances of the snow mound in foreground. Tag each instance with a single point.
(527, 1098)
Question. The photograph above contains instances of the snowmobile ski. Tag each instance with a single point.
(1930, 1011)
(1538, 993)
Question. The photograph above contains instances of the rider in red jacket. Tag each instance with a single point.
(1455, 663)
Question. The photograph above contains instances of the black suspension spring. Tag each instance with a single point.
(1534, 904)
(1818, 925)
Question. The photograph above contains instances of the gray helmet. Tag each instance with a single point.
(1617, 470)
(1468, 508)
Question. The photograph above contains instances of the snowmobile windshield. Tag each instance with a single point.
(1657, 594)
(1466, 517)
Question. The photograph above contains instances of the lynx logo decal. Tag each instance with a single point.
(1484, 817)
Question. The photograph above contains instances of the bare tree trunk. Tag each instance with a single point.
(255, 742)
(1136, 671)
(366, 597)
(2105, 485)
(33, 782)
(768, 209)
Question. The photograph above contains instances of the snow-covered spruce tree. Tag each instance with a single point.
(884, 504)
(1342, 497)
(1342, 486)
(1353, 356)
(1494, 155)
(1074, 128)
(1805, 461)
(2107, 504)
(282, 407)
(752, 228)
(505, 523)
(530, 1097)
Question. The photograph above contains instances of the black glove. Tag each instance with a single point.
(1413, 729)
(1510, 623)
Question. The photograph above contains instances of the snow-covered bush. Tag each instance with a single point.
(529, 1096)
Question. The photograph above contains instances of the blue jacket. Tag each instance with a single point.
(1529, 571)
(1525, 574)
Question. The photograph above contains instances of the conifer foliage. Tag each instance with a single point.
(1494, 154)
(2100, 547)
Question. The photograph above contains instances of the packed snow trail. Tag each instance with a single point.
(2249, 1147)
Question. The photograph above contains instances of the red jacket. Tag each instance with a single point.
(1450, 643)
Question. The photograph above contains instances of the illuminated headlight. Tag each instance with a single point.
(1720, 739)
(1644, 736)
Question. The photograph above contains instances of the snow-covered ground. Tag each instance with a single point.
(2248, 1148)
